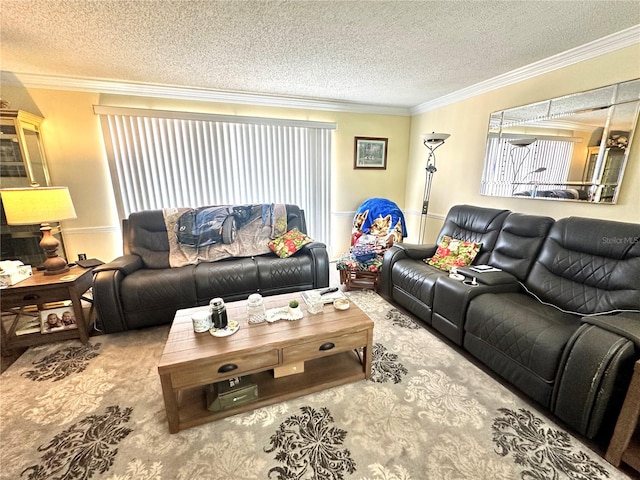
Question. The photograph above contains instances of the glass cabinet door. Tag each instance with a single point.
(22, 160)
(22, 163)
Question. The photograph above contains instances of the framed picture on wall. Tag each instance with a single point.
(370, 152)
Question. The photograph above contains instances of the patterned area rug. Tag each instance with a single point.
(72, 411)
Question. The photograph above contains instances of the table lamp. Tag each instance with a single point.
(40, 205)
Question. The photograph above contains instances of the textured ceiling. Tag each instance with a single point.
(392, 53)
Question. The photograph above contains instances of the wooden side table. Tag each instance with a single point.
(624, 445)
(39, 290)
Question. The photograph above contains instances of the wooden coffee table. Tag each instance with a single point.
(325, 346)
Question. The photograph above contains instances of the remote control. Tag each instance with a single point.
(329, 290)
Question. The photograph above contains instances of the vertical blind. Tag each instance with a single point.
(509, 170)
(175, 159)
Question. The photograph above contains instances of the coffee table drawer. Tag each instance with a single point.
(20, 299)
(324, 347)
(226, 367)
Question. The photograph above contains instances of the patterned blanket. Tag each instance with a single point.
(207, 234)
(379, 218)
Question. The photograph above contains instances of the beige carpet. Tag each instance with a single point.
(72, 411)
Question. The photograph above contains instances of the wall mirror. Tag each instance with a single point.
(571, 148)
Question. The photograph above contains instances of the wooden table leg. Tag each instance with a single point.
(7, 334)
(170, 403)
(368, 355)
(81, 321)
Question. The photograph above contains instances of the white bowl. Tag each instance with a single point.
(341, 304)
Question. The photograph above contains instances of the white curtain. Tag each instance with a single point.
(176, 159)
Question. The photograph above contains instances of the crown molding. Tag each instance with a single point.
(76, 84)
(622, 39)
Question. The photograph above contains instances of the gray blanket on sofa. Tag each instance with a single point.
(207, 234)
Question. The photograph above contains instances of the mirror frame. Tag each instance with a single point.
(590, 133)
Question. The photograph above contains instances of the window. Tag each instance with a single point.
(161, 159)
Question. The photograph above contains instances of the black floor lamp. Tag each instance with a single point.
(431, 141)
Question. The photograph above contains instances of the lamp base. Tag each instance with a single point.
(54, 264)
(52, 270)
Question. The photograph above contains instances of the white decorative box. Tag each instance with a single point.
(12, 272)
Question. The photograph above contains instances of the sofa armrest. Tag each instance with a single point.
(593, 376)
(107, 280)
(625, 324)
(126, 264)
(314, 245)
(416, 251)
(320, 257)
(489, 278)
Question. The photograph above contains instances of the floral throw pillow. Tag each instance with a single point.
(453, 253)
(289, 243)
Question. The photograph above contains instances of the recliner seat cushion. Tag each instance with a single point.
(520, 339)
(416, 279)
(149, 289)
(225, 278)
(284, 274)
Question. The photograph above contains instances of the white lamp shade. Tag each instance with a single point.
(434, 137)
(36, 205)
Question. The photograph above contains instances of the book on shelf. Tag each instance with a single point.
(326, 298)
(28, 324)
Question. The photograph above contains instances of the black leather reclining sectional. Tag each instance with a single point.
(560, 320)
(139, 289)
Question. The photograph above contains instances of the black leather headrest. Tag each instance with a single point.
(589, 266)
(604, 238)
(148, 238)
(519, 242)
(474, 224)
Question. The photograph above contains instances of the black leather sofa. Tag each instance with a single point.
(140, 289)
(560, 319)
